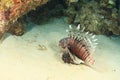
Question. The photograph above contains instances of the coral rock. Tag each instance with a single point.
(11, 10)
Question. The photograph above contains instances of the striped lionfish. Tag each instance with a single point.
(78, 46)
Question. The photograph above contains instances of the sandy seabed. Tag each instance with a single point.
(23, 58)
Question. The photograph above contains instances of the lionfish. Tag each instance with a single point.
(78, 47)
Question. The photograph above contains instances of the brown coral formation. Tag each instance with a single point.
(18, 27)
(11, 10)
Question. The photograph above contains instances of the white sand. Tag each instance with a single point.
(22, 59)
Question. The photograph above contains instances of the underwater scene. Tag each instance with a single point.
(59, 39)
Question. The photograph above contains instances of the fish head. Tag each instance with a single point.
(63, 43)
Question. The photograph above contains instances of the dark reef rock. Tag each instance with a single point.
(53, 8)
(118, 11)
(18, 27)
(99, 16)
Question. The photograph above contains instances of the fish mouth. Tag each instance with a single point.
(62, 49)
(61, 46)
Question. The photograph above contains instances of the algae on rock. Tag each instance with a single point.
(98, 16)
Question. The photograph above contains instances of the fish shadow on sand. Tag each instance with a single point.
(56, 51)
